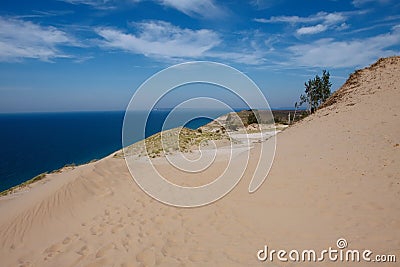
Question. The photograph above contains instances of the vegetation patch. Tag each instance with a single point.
(24, 184)
(177, 139)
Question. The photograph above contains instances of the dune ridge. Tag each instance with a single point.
(336, 175)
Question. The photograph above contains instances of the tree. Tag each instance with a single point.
(317, 91)
(326, 86)
(252, 118)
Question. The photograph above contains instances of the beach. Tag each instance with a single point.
(335, 176)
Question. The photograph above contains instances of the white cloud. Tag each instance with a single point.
(43, 14)
(261, 20)
(322, 21)
(195, 8)
(332, 18)
(312, 29)
(23, 39)
(343, 54)
(163, 41)
(160, 39)
(324, 17)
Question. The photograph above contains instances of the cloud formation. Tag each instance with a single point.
(323, 19)
(328, 52)
(327, 18)
(159, 39)
(312, 29)
(192, 8)
(21, 39)
(195, 8)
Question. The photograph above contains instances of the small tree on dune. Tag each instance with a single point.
(326, 86)
(317, 91)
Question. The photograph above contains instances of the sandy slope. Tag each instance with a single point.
(336, 174)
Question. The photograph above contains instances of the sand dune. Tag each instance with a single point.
(336, 174)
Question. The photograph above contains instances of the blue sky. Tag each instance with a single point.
(71, 55)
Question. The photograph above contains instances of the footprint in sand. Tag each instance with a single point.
(126, 243)
(103, 251)
(52, 250)
(24, 264)
(157, 242)
(96, 230)
(132, 213)
(117, 228)
(66, 240)
(84, 250)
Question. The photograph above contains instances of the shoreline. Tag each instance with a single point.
(32, 181)
(57, 150)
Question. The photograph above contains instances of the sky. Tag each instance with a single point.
(89, 55)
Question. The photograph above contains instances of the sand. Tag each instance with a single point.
(336, 175)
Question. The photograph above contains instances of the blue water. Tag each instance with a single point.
(41, 142)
